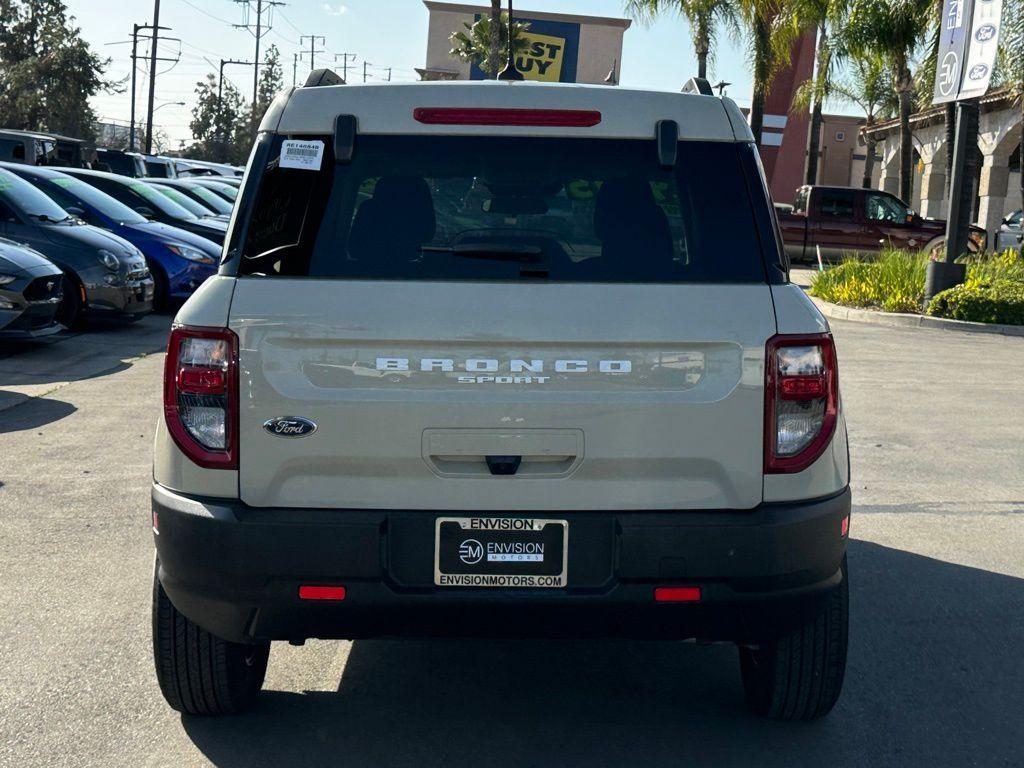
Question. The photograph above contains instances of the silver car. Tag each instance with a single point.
(1009, 234)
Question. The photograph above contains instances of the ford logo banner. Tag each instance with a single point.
(289, 426)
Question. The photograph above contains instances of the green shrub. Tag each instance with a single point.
(1007, 265)
(997, 301)
(893, 282)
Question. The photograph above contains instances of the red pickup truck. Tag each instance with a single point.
(851, 221)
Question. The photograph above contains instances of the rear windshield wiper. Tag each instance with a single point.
(529, 254)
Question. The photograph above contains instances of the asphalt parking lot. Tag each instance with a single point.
(935, 677)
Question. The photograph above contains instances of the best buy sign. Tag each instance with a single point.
(542, 59)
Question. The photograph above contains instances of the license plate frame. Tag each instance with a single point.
(464, 555)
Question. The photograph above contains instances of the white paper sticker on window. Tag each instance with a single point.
(302, 154)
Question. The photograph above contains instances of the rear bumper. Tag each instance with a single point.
(235, 570)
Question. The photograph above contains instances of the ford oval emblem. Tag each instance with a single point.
(289, 426)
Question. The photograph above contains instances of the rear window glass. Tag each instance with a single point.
(504, 208)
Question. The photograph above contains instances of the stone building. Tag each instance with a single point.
(996, 185)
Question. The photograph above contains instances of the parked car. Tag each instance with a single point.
(104, 275)
(192, 200)
(1009, 235)
(188, 167)
(122, 163)
(178, 260)
(37, 148)
(145, 199)
(201, 194)
(30, 292)
(160, 167)
(226, 190)
(601, 409)
(852, 221)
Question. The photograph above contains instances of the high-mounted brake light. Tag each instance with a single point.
(553, 118)
(201, 395)
(677, 594)
(801, 400)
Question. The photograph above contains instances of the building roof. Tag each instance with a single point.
(606, 21)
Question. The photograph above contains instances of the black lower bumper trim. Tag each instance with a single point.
(235, 570)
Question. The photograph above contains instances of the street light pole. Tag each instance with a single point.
(135, 70)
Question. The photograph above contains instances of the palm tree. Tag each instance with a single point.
(769, 39)
(894, 30)
(703, 16)
(473, 43)
(494, 53)
(829, 17)
(869, 86)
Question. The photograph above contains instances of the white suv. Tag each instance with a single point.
(501, 359)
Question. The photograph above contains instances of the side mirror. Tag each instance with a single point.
(77, 212)
(145, 211)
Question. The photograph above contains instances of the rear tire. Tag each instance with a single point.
(199, 673)
(799, 676)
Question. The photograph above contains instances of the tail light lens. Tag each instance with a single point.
(801, 400)
(201, 395)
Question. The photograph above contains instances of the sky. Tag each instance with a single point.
(383, 33)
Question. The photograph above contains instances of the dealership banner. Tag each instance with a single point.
(968, 42)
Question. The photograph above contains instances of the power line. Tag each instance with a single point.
(261, 30)
(312, 47)
(206, 13)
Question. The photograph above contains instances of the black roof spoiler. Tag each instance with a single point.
(698, 85)
(320, 77)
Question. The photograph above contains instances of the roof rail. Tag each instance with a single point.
(323, 77)
(698, 85)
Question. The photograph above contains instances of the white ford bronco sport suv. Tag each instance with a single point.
(501, 359)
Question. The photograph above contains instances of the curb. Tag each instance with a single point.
(905, 320)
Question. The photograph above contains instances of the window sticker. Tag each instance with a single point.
(305, 155)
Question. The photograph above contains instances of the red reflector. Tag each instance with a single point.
(802, 387)
(562, 118)
(677, 594)
(844, 527)
(196, 380)
(310, 592)
(156, 523)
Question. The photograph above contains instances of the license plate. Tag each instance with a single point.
(500, 552)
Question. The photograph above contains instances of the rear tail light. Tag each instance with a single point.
(801, 400)
(560, 118)
(677, 594)
(201, 395)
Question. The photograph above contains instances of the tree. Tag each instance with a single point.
(271, 82)
(869, 86)
(704, 18)
(828, 17)
(220, 127)
(473, 43)
(768, 47)
(494, 39)
(893, 30)
(48, 72)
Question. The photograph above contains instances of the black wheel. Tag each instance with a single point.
(200, 674)
(69, 311)
(161, 289)
(799, 676)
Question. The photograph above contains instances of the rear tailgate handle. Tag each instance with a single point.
(504, 465)
(482, 453)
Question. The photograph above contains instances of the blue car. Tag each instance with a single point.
(178, 260)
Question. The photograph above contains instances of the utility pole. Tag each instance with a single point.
(312, 47)
(344, 63)
(365, 65)
(152, 75)
(262, 6)
(295, 68)
(136, 28)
